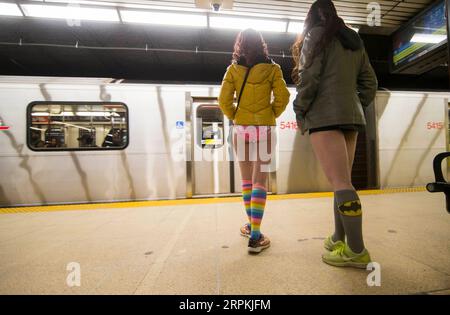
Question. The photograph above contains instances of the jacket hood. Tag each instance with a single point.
(349, 38)
(259, 72)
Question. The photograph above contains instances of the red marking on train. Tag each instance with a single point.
(4, 127)
(289, 125)
(435, 125)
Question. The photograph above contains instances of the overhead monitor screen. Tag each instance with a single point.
(423, 34)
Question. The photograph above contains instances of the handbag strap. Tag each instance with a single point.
(242, 89)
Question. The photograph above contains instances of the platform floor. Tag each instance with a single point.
(196, 249)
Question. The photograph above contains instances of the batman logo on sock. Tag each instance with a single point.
(351, 208)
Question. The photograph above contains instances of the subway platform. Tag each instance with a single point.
(194, 247)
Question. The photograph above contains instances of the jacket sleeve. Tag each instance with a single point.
(280, 93)
(309, 73)
(367, 82)
(226, 96)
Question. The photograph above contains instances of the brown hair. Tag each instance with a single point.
(251, 46)
(322, 12)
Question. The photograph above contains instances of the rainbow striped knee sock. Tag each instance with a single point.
(258, 203)
(247, 196)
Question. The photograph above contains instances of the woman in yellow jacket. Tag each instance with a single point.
(252, 78)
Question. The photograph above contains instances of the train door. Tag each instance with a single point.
(447, 125)
(211, 169)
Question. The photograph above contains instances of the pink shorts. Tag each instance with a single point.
(252, 133)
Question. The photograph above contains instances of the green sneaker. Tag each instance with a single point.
(330, 245)
(343, 256)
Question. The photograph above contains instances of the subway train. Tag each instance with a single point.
(77, 140)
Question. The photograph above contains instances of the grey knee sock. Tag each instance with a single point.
(350, 211)
(339, 232)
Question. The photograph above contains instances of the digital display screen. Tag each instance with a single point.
(422, 35)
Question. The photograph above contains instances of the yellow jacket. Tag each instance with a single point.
(256, 106)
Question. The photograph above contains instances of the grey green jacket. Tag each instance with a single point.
(336, 83)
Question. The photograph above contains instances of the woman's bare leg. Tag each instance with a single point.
(259, 179)
(351, 138)
(339, 231)
(330, 149)
(335, 151)
(263, 160)
(246, 169)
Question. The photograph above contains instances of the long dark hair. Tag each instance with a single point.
(250, 46)
(322, 12)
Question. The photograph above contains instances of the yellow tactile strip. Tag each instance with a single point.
(195, 201)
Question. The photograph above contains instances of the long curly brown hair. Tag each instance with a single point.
(322, 12)
(250, 46)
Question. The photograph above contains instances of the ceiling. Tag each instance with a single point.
(60, 57)
(393, 13)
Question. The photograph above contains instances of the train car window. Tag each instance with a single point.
(68, 126)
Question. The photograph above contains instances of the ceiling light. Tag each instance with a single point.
(10, 9)
(164, 18)
(241, 23)
(70, 12)
(428, 38)
(295, 27)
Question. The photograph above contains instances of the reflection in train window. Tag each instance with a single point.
(77, 126)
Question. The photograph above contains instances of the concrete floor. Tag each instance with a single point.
(196, 249)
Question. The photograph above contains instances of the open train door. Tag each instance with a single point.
(211, 166)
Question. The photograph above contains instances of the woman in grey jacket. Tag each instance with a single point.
(334, 82)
